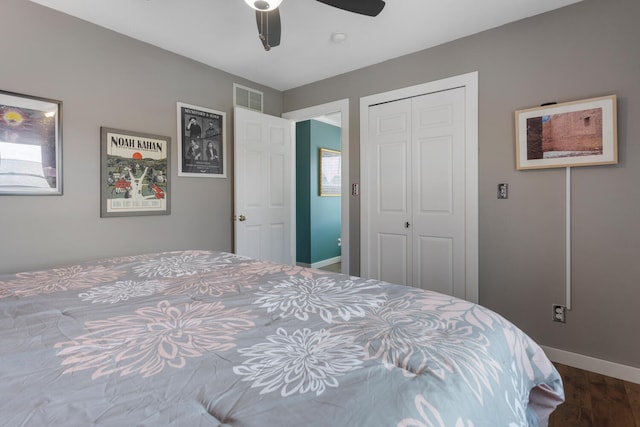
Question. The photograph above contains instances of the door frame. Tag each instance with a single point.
(470, 82)
(341, 106)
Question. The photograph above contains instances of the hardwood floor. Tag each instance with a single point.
(333, 267)
(594, 400)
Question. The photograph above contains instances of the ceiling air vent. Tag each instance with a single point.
(247, 98)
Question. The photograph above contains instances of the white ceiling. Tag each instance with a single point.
(223, 33)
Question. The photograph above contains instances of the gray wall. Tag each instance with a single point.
(585, 50)
(106, 79)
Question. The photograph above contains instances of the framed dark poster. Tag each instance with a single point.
(201, 142)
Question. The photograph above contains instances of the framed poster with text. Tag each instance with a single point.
(135, 173)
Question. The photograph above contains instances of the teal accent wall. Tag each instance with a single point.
(318, 219)
(303, 193)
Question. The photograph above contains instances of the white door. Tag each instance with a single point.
(388, 155)
(264, 194)
(438, 168)
(415, 166)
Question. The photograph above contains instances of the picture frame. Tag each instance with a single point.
(30, 145)
(202, 149)
(330, 172)
(135, 173)
(578, 133)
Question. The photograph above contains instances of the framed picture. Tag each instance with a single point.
(30, 145)
(201, 142)
(580, 133)
(330, 172)
(135, 173)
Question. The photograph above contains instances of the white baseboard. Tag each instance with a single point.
(322, 263)
(603, 367)
(326, 262)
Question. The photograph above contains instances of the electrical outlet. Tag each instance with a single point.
(559, 312)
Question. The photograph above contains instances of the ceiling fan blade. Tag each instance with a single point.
(269, 28)
(363, 7)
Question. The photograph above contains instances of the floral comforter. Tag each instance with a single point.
(199, 338)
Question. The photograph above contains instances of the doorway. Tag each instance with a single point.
(337, 113)
(318, 192)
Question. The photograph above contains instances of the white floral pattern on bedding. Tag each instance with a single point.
(301, 362)
(403, 334)
(122, 291)
(210, 338)
(302, 296)
(184, 264)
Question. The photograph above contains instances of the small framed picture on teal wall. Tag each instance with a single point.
(330, 172)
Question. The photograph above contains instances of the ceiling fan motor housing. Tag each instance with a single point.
(263, 5)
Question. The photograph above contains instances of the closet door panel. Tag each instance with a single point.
(393, 258)
(392, 188)
(435, 175)
(435, 266)
(438, 176)
(389, 203)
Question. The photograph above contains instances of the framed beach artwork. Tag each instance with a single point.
(30, 145)
(579, 133)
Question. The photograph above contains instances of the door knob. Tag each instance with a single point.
(242, 218)
(406, 224)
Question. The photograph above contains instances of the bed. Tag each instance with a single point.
(203, 338)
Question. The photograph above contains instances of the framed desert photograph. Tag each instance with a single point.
(135, 173)
(201, 142)
(30, 145)
(579, 133)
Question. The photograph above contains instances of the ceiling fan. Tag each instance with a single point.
(268, 15)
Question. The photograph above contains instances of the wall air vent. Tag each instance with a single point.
(247, 98)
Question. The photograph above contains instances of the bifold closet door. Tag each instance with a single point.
(415, 159)
(388, 159)
(438, 183)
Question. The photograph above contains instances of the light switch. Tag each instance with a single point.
(503, 191)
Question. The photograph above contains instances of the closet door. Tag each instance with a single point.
(438, 182)
(387, 158)
(414, 160)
